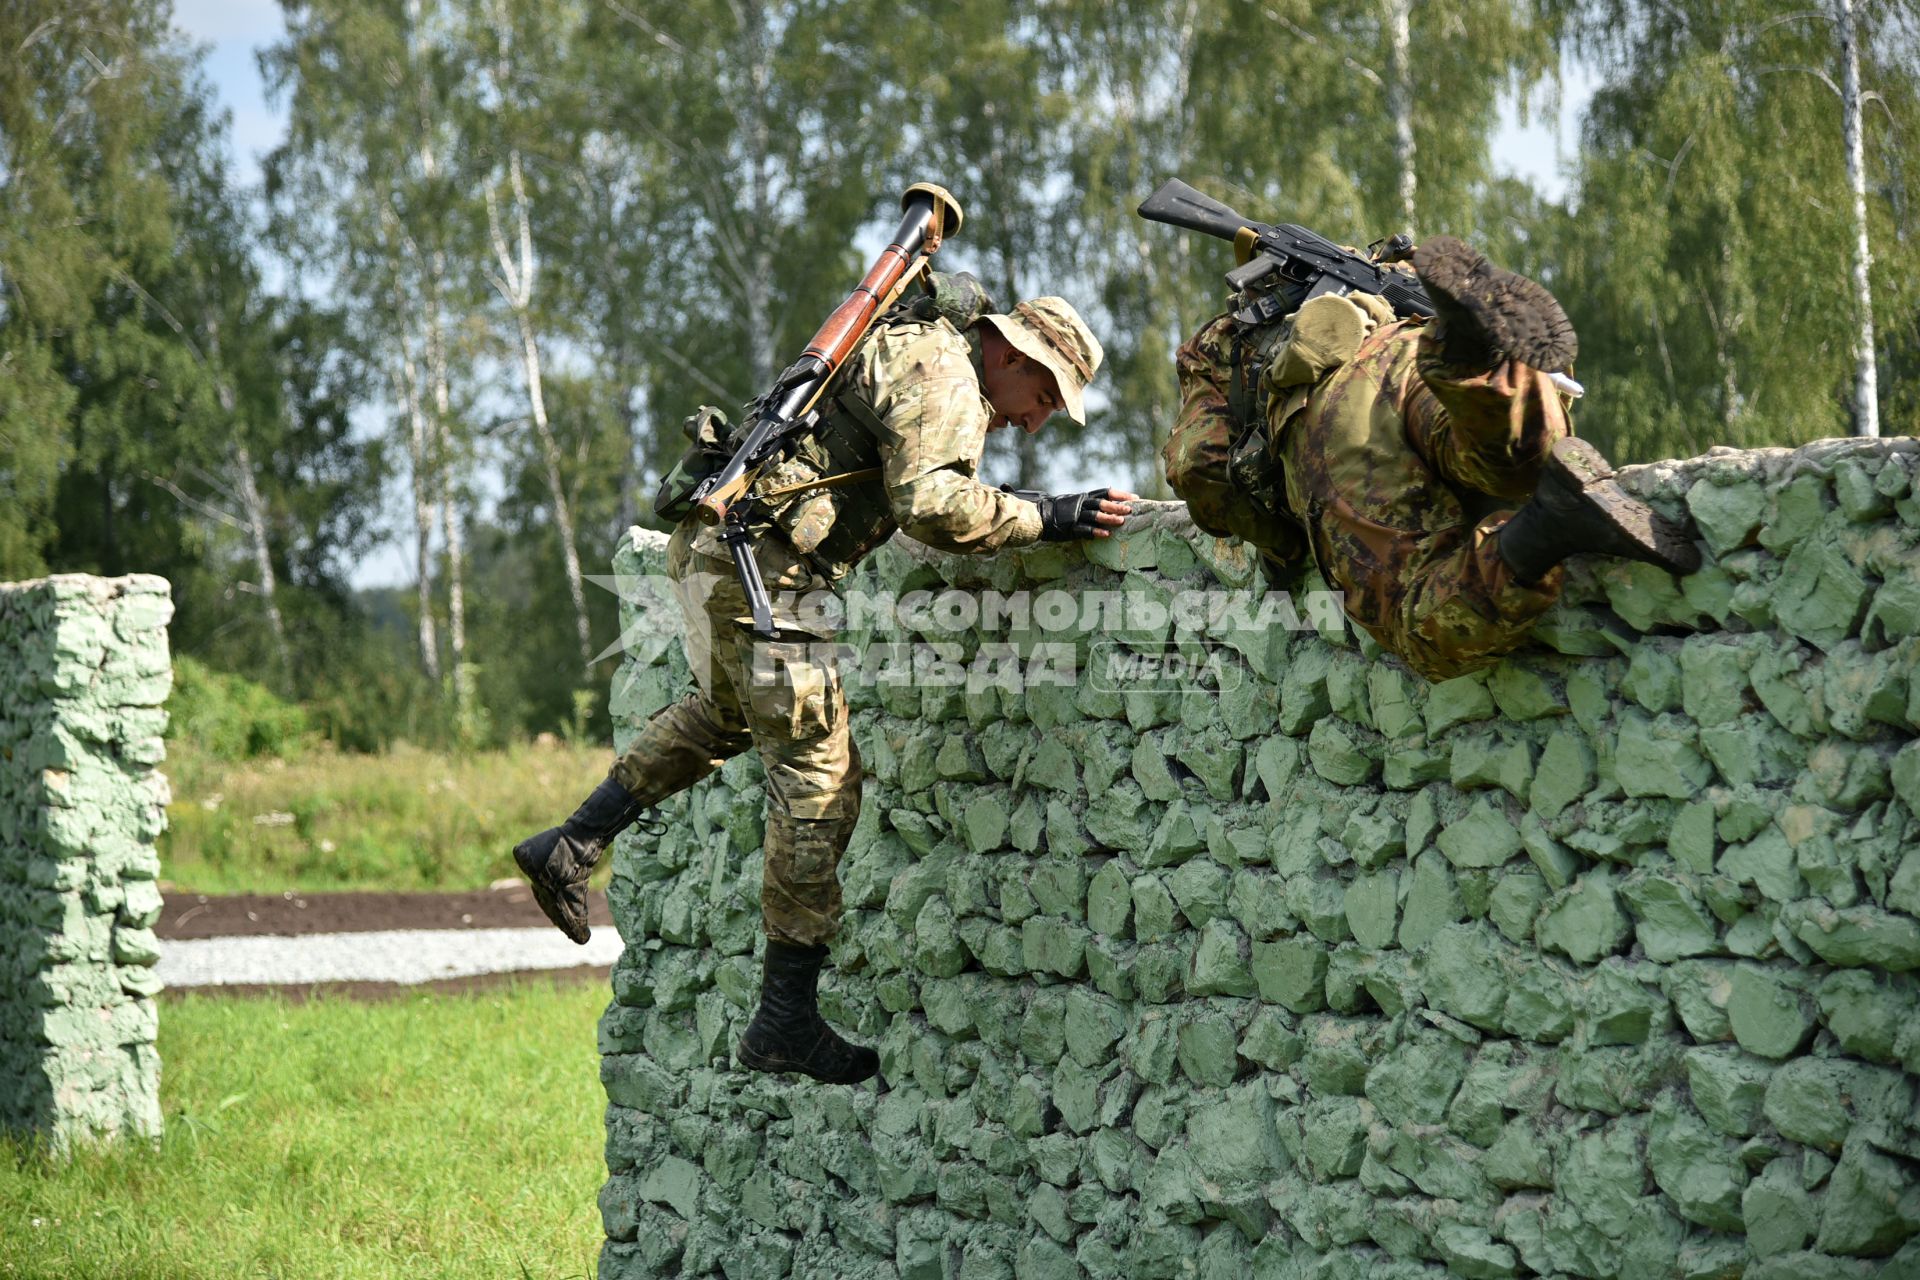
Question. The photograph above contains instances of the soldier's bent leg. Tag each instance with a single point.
(558, 861)
(680, 745)
(1492, 430)
(1459, 606)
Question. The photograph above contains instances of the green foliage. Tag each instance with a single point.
(451, 1136)
(230, 717)
(1706, 257)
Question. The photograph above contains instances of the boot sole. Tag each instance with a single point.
(1656, 539)
(782, 1066)
(1493, 314)
(544, 898)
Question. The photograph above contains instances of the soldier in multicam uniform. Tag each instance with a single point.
(1379, 444)
(915, 400)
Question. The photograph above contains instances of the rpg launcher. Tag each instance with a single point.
(1283, 265)
(787, 411)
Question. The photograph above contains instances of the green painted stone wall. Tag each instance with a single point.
(1599, 964)
(84, 675)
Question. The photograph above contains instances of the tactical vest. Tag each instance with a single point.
(1278, 361)
(1253, 468)
(835, 528)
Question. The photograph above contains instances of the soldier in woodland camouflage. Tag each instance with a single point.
(915, 401)
(1384, 442)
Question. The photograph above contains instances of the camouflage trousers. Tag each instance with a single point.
(1396, 472)
(784, 699)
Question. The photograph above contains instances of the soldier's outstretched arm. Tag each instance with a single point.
(933, 426)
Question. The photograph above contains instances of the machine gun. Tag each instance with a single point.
(1283, 265)
(787, 411)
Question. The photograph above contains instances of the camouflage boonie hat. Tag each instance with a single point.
(1051, 331)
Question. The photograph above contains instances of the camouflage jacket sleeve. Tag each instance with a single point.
(932, 423)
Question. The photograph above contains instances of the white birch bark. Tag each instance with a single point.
(439, 427)
(425, 489)
(448, 493)
(1400, 101)
(1866, 381)
(514, 282)
(256, 517)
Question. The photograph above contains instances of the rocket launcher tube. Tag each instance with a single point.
(929, 214)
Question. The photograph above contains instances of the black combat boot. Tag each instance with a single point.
(558, 861)
(1578, 507)
(788, 1033)
(1485, 316)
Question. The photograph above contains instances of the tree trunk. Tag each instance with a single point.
(1400, 100)
(617, 345)
(455, 539)
(423, 440)
(1169, 277)
(630, 499)
(556, 488)
(424, 490)
(759, 285)
(514, 283)
(1866, 378)
(440, 442)
(256, 515)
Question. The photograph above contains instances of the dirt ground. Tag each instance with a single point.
(199, 915)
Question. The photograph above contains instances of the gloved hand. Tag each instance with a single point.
(1068, 517)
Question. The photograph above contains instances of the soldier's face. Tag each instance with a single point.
(1021, 391)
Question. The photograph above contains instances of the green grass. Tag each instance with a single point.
(407, 819)
(441, 1136)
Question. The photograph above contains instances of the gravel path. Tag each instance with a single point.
(406, 956)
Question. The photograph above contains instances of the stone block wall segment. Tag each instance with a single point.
(1604, 962)
(84, 677)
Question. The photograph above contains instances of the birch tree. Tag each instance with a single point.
(773, 123)
(1716, 272)
(1866, 385)
(513, 270)
(362, 199)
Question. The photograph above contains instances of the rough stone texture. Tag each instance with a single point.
(84, 676)
(1596, 964)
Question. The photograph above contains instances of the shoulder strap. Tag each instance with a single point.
(1242, 387)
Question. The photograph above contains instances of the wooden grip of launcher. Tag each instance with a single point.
(930, 215)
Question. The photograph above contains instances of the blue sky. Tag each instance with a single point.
(234, 30)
